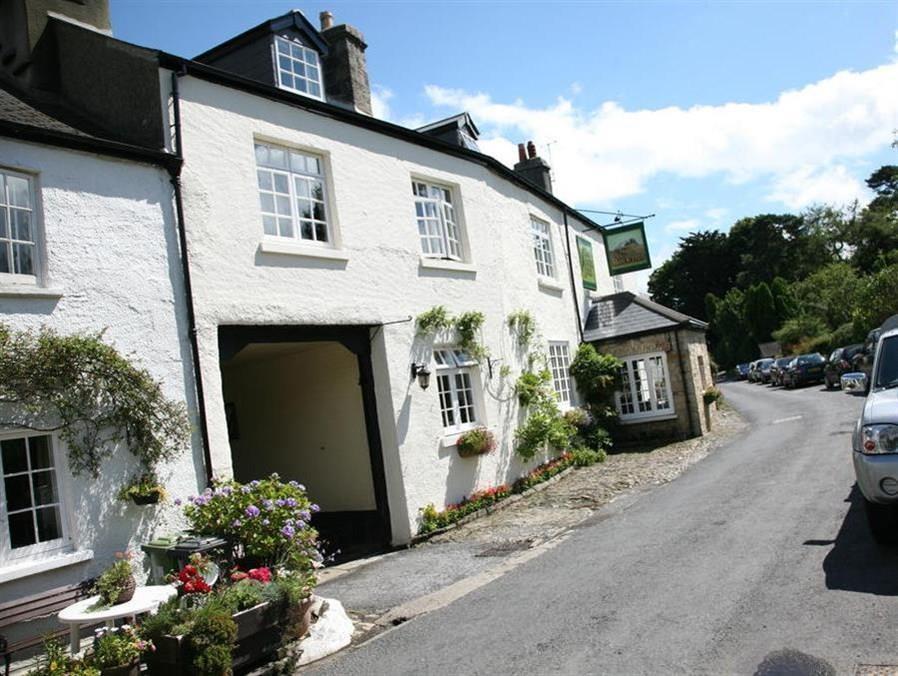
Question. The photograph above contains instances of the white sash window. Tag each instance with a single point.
(645, 388)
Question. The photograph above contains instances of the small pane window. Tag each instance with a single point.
(645, 387)
(542, 248)
(292, 194)
(455, 384)
(298, 67)
(18, 241)
(560, 362)
(29, 493)
(438, 227)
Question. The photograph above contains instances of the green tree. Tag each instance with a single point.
(830, 294)
(759, 311)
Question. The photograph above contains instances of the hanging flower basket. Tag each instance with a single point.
(478, 441)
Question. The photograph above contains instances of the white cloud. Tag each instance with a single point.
(689, 224)
(604, 154)
(380, 102)
(818, 185)
(716, 214)
(576, 88)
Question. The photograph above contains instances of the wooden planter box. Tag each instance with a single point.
(256, 641)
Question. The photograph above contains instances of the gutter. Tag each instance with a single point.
(217, 76)
(185, 270)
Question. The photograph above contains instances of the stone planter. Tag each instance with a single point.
(258, 638)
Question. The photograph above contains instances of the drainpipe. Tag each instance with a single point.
(185, 271)
(570, 268)
(683, 378)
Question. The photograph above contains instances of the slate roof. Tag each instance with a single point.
(13, 109)
(626, 314)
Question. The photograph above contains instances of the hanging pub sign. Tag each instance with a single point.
(626, 248)
(587, 264)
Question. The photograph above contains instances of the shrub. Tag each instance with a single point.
(477, 441)
(117, 647)
(523, 326)
(56, 661)
(530, 386)
(584, 457)
(435, 319)
(267, 520)
(211, 638)
(468, 326)
(597, 376)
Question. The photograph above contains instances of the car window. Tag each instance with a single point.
(887, 375)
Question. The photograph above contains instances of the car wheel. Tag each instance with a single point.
(883, 522)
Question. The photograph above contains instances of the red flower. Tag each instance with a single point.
(260, 574)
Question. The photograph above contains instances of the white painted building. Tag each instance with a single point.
(93, 249)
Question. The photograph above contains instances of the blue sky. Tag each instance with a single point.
(699, 112)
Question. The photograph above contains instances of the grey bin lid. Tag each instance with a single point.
(197, 544)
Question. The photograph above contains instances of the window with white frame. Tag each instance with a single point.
(645, 387)
(455, 372)
(18, 237)
(560, 364)
(31, 508)
(542, 247)
(438, 227)
(292, 194)
(298, 67)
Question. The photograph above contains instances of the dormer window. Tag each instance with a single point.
(298, 67)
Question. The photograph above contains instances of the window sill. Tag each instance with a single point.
(14, 571)
(446, 264)
(549, 284)
(295, 249)
(29, 291)
(648, 418)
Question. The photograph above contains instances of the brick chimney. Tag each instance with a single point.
(533, 168)
(345, 68)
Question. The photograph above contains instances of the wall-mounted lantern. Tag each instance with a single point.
(422, 373)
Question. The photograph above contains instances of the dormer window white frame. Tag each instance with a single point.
(439, 230)
(298, 68)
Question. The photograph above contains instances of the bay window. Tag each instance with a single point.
(645, 388)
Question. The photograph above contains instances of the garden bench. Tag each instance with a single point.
(35, 607)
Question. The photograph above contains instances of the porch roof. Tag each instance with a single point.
(626, 314)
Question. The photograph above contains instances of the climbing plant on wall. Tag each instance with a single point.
(98, 401)
(467, 325)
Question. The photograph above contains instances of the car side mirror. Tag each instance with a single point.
(854, 383)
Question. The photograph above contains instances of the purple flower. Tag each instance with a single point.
(305, 515)
(227, 490)
(177, 502)
(252, 511)
(315, 508)
(289, 522)
(254, 483)
(280, 502)
(288, 531)
(237, 523)
(268, 504)
(245, 489)
(265, 522)
(290, 502)
(294, 483)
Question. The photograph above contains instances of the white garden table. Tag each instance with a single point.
(145, 600)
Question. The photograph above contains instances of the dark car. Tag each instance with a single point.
(805, 369)
(862, 362)
(763, 369)
(839, 363)
(742, 371)
(778, 369)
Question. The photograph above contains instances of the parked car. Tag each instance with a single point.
(763, 370)
(839, 363)
(778, 369)
(875, 440)
(805, 369)
(742, 371)
(863, 360)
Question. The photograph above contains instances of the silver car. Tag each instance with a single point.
(875, 439)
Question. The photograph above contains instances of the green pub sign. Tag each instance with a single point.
(587, 264)
(626, 249)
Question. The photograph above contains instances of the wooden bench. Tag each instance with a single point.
(35, 607)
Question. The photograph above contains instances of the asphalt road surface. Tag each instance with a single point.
(756, 560)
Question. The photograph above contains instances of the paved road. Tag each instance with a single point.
(755, 560)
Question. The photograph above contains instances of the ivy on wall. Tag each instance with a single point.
(97, 401)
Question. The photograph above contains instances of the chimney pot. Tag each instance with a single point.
(522, 154)
(327, 20)
(531, 150)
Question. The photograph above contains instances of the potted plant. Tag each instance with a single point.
(116, 584)
(116, 652)
(478, 441)
(56, 661)
(144, 489)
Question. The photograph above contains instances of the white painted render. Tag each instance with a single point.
(110, 256)
(375, 275)
(299, 413)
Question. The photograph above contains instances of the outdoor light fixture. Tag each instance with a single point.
(422, 373)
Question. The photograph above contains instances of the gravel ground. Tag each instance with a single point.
(545, 514)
